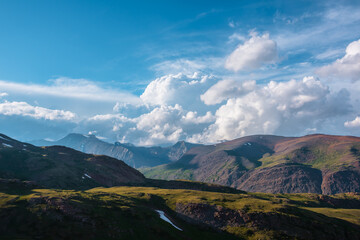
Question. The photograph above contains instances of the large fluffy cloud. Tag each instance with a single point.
(181, 89)
(169, 124)
(251, 55)
(347, 67)
(25, 109)
(226, 89)
(280, 108)
(286, 108)
(161, 125)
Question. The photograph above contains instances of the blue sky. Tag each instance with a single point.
(155, 72)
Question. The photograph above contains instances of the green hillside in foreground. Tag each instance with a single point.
(129, 213)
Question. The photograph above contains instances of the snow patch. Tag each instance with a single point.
(4, 138)
(86, 175)
(7, 145)
(247, 144)
(163, 217)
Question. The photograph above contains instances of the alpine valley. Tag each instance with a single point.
(256, 187)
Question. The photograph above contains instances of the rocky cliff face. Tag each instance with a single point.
(281, 179)
(311, 164)
(341, 181)
(176, 151)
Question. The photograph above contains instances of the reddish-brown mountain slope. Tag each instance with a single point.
(263, 163)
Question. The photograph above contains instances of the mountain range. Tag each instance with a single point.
(134, 156)
(65, 168)
(56, 192)
(317, 163)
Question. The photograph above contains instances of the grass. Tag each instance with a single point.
(163, 172)
(319, 157)
(349, 215)
(128, 213)
(116, 216)
(174, 196)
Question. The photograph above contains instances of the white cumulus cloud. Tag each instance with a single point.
(276, 108)
(292, 107)
(347, 67)
(353, 123)
(25, 109)
(252, 54)
(193, 118)
(174, 89)
(161, 125)
(226, 89)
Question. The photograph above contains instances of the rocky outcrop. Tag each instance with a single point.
(212, 215)
(340, 182)
(281, 179)
(176, 151)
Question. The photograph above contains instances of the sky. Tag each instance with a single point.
(156, 72)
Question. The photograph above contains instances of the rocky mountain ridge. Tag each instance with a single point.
(134, 156)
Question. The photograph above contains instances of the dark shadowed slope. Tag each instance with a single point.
(62, 167)
(315, 163)
(132, 155)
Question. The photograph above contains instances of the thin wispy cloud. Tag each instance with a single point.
(70, 88)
